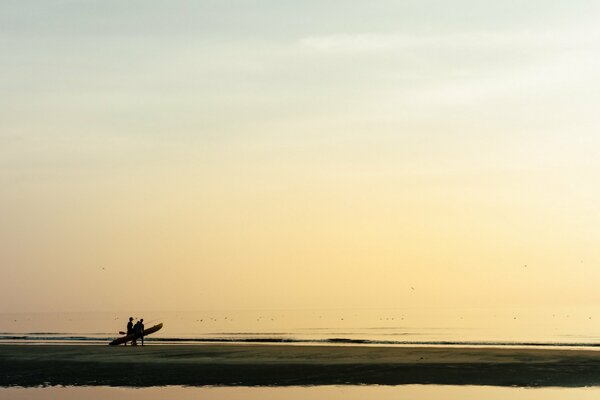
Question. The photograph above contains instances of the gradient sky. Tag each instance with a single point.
(298, 154)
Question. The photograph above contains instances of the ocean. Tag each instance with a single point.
(534, 326)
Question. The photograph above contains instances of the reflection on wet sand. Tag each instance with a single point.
(421, 392)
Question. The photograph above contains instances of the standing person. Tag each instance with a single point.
(139, 330)
(129, 328)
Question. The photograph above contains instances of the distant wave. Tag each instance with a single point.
(49, 337)
(374, 342)
(35, 333)
(39, 338)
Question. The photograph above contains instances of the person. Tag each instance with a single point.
(139, 330)
(129, 327)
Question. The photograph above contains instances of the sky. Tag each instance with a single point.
(192, 155)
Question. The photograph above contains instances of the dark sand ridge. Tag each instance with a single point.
(283, 365)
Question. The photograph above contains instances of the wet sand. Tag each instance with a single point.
(286, 365)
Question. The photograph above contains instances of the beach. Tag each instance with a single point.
(290, 365)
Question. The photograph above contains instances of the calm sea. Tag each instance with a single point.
(577, 327)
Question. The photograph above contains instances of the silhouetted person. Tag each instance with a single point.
(129, 328)
(139, 330)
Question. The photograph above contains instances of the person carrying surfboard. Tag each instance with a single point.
(131, 337)
(139, 330)
(129, 327)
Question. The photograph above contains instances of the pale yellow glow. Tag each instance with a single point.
(251, 165)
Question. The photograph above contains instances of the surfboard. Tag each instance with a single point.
(131, 337)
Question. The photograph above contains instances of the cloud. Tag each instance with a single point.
(468, 67)
(387, 41)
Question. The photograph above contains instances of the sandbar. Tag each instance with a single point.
(291, 365)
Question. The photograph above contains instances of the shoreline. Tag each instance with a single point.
(154, 341)
(290, 365)
(35, 339)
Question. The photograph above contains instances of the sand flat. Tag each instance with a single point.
(284, 365)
